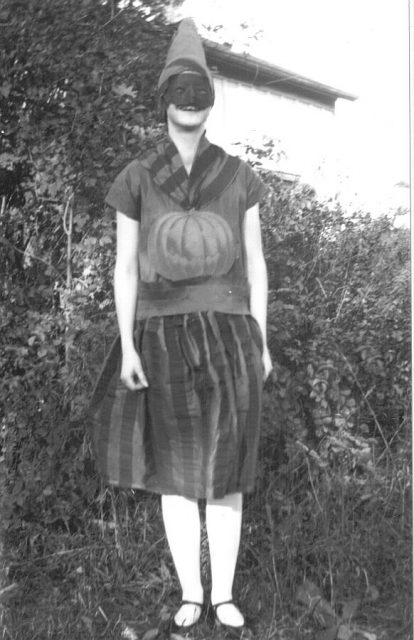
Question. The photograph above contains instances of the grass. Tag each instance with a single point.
(304, 529)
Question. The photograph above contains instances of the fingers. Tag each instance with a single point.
(139, 375)
(134, 381)
(267, 364)
(132, 373)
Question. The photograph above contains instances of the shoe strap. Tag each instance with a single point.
(197, 604)
(219, 604)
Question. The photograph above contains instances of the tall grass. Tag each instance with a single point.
(112, 576)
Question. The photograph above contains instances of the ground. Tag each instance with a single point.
(115, 581)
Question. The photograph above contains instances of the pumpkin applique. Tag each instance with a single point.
(183, 245)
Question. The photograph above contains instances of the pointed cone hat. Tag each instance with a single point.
(186, 53)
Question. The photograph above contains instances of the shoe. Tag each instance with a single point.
(182, 629)
(237, 632)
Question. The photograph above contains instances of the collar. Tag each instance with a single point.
(212, 172)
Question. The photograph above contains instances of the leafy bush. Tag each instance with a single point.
(338, 317)
(339, 400)
(332, 502)
(77, 100)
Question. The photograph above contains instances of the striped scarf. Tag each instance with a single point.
(212, 172)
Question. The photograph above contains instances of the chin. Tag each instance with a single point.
(189, 126)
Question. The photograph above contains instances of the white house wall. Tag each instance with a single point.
(303, 131)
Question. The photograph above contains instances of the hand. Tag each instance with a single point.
(267, 363)
(132, 373)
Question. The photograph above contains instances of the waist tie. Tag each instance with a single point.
(157, 299)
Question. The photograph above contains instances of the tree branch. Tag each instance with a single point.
(365, 396)
(11, 246)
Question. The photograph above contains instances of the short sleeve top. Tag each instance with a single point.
(191, 249)
(125, 192)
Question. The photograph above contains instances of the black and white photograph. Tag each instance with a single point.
(206, 320)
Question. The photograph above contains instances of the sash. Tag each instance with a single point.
(212, 172)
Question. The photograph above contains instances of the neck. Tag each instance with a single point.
(187, 142)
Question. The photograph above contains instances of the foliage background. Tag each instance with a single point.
(330, 520)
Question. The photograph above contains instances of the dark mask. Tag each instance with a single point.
(189, 90)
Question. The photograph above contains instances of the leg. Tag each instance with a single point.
(182, 527)
(223, 520)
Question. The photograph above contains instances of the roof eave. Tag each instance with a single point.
(264, 73)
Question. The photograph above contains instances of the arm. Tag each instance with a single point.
(126, 286)
(257, 277)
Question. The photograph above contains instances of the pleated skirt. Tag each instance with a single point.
(195, 430)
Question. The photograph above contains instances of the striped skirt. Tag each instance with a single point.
(194, 431)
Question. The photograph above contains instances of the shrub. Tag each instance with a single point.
(332, 501)
(337, 409)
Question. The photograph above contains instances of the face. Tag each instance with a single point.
(189, 92)
(188, 100)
